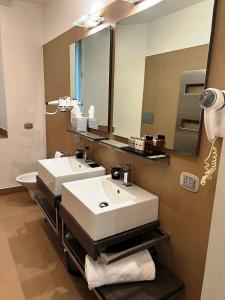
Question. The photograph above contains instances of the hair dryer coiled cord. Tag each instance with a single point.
(210, 168)
(52, 113)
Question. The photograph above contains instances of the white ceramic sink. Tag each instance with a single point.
(123, 208)
(56, 171)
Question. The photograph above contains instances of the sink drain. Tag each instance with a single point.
(103, 204)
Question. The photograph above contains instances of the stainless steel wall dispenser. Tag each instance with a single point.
(188, 123)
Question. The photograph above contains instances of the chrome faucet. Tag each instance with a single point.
(86, 154)
(124, 171)
(83, 154)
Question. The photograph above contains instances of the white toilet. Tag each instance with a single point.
(29, 181)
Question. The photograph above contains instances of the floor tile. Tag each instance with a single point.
(32, 256)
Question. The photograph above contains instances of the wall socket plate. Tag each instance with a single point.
(28, 126)
(189, 182)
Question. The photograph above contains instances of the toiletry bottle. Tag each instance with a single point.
(155, 141)
(161, 141)
(142, 144)
(148, 144)
(137, 143)
(131, 142)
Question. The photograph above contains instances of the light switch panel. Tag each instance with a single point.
(147, 117)
(189, 182)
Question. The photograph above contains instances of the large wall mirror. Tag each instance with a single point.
(161, 57)
(90, 60)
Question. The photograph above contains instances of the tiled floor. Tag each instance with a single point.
(32, 264)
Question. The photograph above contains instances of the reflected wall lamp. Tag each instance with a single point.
(134, 1)
(89, 21)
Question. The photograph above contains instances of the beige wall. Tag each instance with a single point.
(21, 40)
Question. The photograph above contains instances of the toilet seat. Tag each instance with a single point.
(29, 181)
(27, 178)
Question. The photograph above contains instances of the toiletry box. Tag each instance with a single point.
(79, 124)
(93, 123)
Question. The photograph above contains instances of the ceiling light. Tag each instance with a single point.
(133, 1)
(89, 21)
(5, 2)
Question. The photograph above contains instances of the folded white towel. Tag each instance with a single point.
(58, 154)
(137, 267)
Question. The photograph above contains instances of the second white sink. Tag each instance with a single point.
(54, 172)
(105, 207)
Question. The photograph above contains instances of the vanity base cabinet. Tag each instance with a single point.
(71, 267)
(51, 213)
(165, 286)
(49, 204)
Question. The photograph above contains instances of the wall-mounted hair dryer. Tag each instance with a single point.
(64, 104)
(213, 103)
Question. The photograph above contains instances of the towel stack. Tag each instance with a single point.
(137, 267)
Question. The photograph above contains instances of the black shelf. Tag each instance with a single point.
(165, 285)
(140, 154)
(88, 135)
(151, 156)
(100, 139)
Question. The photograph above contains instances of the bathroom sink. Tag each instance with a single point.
(56, 171)
(105, 207)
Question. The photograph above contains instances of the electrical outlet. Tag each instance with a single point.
(28, 126)
(189, 182)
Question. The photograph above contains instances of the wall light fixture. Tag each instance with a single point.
(89, 21)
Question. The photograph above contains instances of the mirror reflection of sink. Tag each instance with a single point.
(104, 207)
(54, 172)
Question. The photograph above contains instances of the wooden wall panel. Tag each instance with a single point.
(186, 216)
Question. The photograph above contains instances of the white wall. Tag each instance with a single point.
(59, 15)
(129, 79)
(186, 28)
(21, 39)
(95, 70)
(214, 278)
